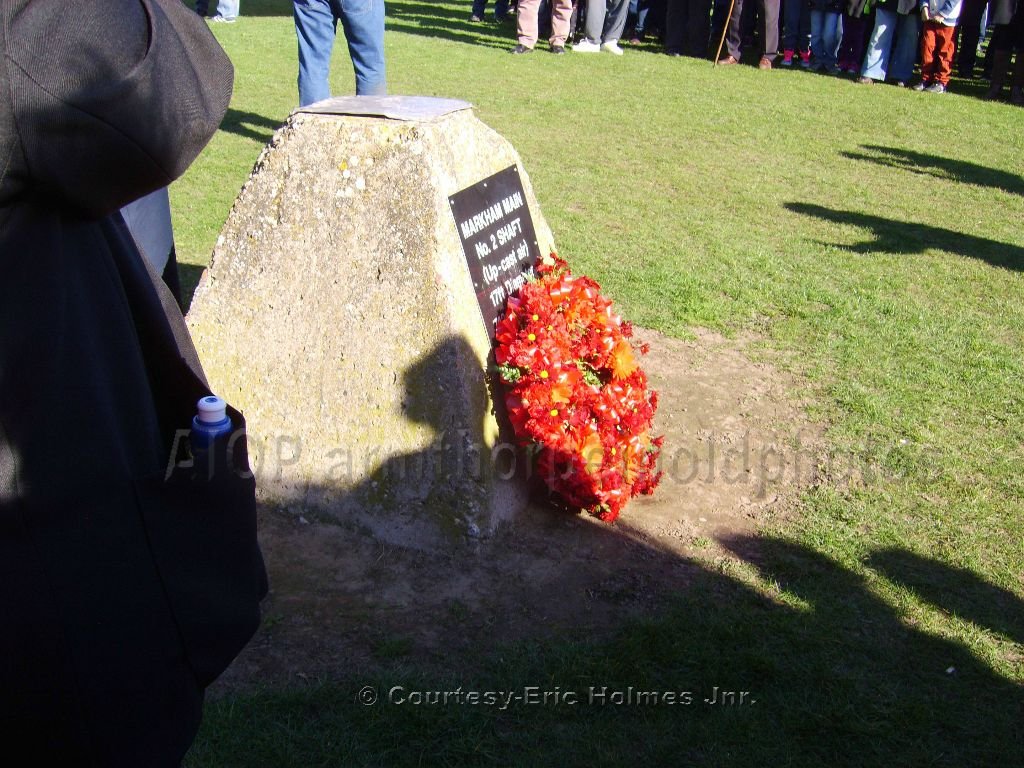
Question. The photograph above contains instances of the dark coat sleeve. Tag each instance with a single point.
(112, 99)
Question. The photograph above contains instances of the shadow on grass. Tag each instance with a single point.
(976, 601)
(940, 167)
(249, 125)
(258, 8)
(726, 676)
(907, 237)
(448, 23)
(809, 667)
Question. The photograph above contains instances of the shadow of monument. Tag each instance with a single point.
(940, 167)
(911, 237)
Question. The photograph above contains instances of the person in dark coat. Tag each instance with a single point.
(688, 28)
(1008, 36)
(127, 584)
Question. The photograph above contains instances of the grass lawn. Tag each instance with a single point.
(873, 239)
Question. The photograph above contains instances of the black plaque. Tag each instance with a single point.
(498, 238)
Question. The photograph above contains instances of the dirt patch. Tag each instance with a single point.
(738, 449)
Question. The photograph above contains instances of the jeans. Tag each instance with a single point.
(826, 27)
(316, 23)
(892, 48)
(639, 10)
(500, 8)
(796, 25)
(226, 8)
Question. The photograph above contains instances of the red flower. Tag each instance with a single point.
(577, 391)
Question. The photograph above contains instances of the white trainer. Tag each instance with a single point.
(612, 46)
(585, 46)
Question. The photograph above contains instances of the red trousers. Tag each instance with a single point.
(936, 52)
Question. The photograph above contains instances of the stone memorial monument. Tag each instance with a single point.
(341, 315)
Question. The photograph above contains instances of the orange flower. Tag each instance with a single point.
(622, 362)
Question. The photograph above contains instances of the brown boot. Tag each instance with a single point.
(1017, 86)
(1000, 65)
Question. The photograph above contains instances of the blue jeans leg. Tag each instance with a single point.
(796, 25)
(876, 58)
(314, 28)
(363, 21)
(500, 8)
(825, 29)
(904, 55)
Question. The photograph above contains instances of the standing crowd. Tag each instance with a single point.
(871, 40)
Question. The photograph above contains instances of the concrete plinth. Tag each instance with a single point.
(339, 315)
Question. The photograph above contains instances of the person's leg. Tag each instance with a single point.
(734, 31)
(769, 28)
(526, 22)
(804, 38)
(905, 47)
(1017, 84)
(363, 21)
(477, 11)
(643, 9)
(228, 9)
(500, 9)
(314, 28)
(860, 40)
(675, 26)
(817, 39)
(876, 58)
(202, 7)
(944, 54)
(594, 23)
(851, 42)
(698, 28)
(970, 32)
(561, 12)
(614, 20)
(833, 34)
(927, 50)
(791, 24)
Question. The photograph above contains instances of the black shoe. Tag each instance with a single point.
(558, 50)
(521, 49)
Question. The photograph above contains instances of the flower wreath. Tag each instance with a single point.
(575, 392)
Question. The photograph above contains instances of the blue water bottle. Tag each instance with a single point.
(210, 427)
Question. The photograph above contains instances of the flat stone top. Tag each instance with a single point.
(420, 108)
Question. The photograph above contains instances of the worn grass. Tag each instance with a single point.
(872, 237)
